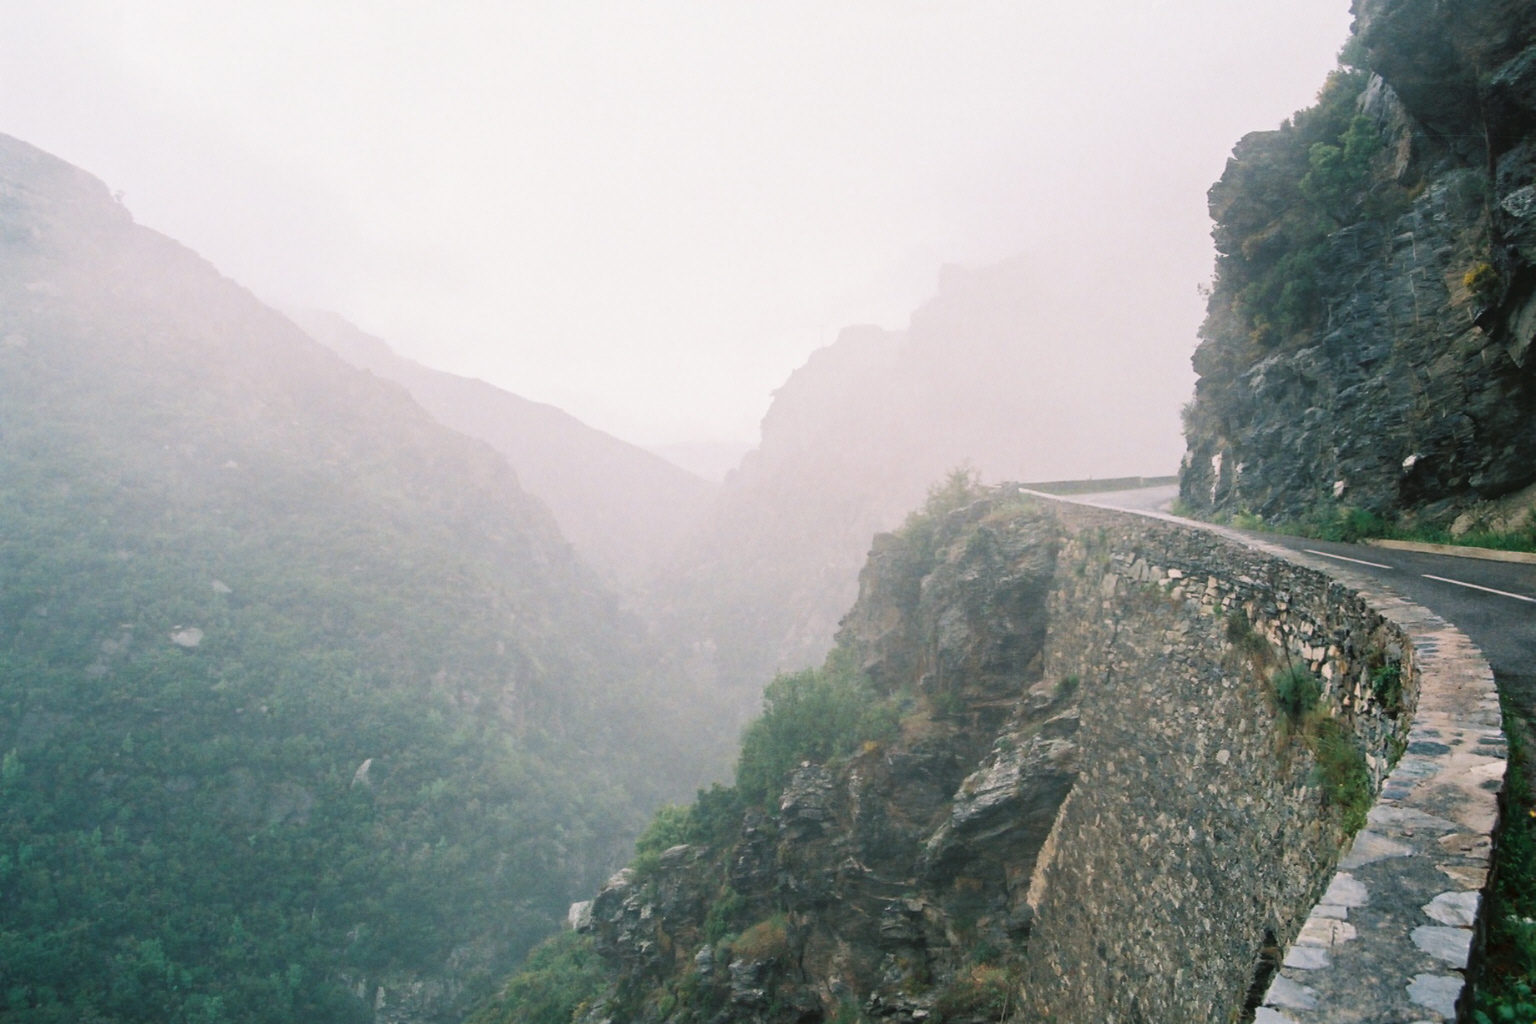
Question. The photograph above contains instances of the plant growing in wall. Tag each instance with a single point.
(1387, 688)
(1296, 691)
(1249, 642)
(1485, 284)
(1341, 771)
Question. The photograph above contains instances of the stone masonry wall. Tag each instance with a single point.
(1197, 837)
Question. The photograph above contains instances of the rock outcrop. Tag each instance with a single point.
(1094, 807)
(1370, 327)
(880, 880)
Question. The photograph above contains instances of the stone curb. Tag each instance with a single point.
(1391, 937)
(1455, 550)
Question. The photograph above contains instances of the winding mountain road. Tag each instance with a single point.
(1494, 603)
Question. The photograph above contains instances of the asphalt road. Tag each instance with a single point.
(1500, 618)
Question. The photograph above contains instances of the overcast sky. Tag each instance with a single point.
(649, 213)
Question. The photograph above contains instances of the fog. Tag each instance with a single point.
(650, 214)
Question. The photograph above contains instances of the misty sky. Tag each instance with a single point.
(649, 213)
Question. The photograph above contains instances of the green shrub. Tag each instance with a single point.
(960, 487)
(1503, 986)
(982, 991)
(815, 715)
(1345, 777)
(1484, 282)
(1338, 175)
(561, 976)
(722, 914)
(1328, 520)
(847, 1012)
(1344, 524)
(765, 941)
(670, 826)
(715, 815)
(1517, 1003)
(1387, 687)
(1296, 692)
(1318, 165)
(1238, 626)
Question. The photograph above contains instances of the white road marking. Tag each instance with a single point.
(1474, 586)
(1342, 558)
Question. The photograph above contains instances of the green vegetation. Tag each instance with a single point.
(722, 913)
(820, 716)
(1485, 283)
(981, 992)
(1508, 970)
(766, 940)
(1341, 771)
(1345, 778)
(1329, 520)
(1248, 641)
(562, 976)
(1296, 692)
(300, 695)
(816, 715)
(1387, 687)
(960, 486)
(1315, 176)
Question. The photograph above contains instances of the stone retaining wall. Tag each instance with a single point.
(1196, 867)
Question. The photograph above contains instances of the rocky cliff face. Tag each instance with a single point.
(894, 877)
(1370, 327)
(1093, 807)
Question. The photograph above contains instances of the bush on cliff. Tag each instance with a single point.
(768, 940)
(981, 993)
(1316, 175)
(815, 715)
(561, 976)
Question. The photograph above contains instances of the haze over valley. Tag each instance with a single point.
(521, 514)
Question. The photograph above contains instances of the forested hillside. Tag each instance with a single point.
(307, 711)
(622, 507)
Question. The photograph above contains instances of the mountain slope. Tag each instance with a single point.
(621, 506)
(307, 711)
(1005, 369)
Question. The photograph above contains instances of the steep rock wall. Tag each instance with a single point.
(1370, 326)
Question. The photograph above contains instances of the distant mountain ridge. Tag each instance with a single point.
(621, 506)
